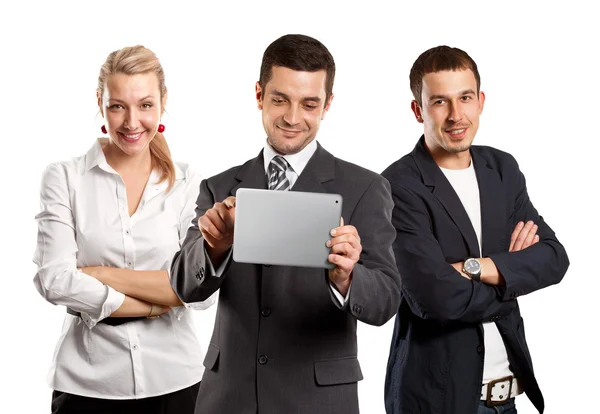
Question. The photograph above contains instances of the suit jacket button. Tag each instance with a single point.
(262, 360)
(479, 349)
(265, 312)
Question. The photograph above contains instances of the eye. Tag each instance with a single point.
(115, 106)
(277, 101)
(466, 98)
(310, 107)
(439, 102)
(147, 105)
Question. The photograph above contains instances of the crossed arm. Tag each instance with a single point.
(142, 289)
(435, 289)
(99, 292)
(58, 279)
(523, 236)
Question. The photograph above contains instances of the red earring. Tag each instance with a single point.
(161, 128)
(103, 129)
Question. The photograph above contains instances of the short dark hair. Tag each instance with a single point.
(439, 59)
(298, 52)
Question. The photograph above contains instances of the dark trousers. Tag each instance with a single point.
(506, 408)
(178, 402)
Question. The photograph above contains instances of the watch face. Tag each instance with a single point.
(472, 266)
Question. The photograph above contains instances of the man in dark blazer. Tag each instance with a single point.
(469, 242)
(284, 339)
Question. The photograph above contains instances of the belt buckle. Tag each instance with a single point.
(491, 384)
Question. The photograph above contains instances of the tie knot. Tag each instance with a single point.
(278, 164)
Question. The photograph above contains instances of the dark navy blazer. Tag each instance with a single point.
(437, 351)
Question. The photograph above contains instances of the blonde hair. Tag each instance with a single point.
(134, 60)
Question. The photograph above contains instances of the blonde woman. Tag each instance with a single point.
(110, 224)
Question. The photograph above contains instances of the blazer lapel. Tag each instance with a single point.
(493, 201)
(437, 182)
(252, 175)
(320, 169)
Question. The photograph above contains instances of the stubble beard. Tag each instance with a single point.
(282, 148)
(461, 148)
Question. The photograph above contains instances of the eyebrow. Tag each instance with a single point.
(142, 99)
(283, 95)
(462, 93)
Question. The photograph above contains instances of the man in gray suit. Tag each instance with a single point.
(284, 339)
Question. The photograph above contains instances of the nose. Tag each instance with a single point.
(292, 115)
(455, 113)
(131, 120)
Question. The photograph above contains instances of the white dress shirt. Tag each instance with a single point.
(464, 182)
(84, 221)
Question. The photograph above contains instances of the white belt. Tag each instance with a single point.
(501, 390)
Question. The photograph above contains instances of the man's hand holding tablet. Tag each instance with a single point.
(217, 226)
(284, 228)
(345, 252)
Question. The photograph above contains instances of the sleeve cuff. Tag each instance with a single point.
(508, 291)
(342, 300)
(201, 305)
(113, 301)
(211, 269)
(211, 273)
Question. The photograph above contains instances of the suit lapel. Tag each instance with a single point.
(492, 199)
(320, 169)
(252, 175)
(440, 187)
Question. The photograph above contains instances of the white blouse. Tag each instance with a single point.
(84, 221)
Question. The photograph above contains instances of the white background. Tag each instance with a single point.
(542, 101)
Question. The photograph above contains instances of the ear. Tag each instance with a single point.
(259, 96)
(481, 101)
(163, 103)
(327, 106)
(417, 111)
(100, 106)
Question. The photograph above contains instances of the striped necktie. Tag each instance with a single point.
(277, 178)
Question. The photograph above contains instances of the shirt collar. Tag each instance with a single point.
(470, 169)
(297, 161)
(95, 157)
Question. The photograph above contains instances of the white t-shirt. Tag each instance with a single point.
(464, 183)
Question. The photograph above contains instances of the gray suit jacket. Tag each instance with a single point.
(282, 342)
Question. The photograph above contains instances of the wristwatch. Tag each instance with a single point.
(472, 268)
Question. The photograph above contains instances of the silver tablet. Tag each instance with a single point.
(288, 228)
